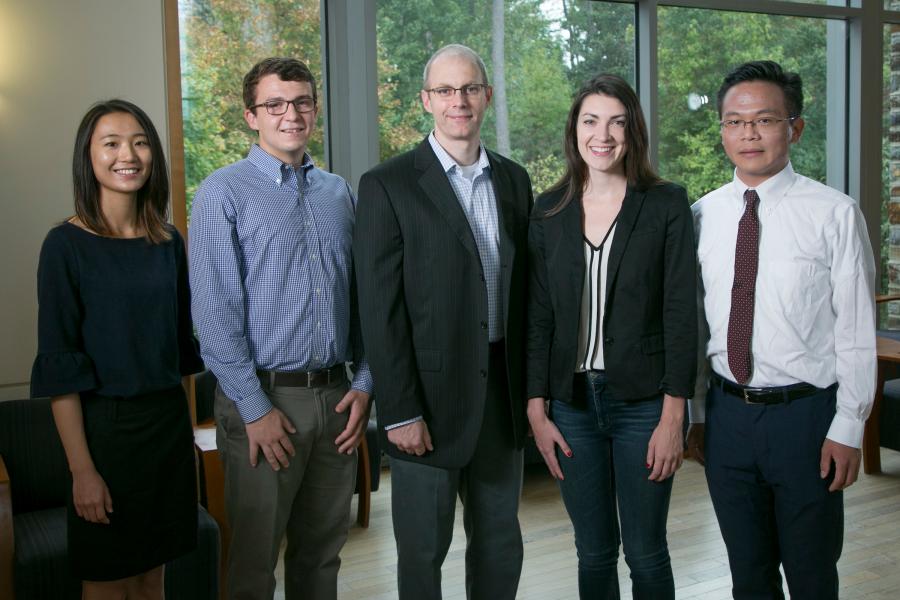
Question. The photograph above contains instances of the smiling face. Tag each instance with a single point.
(758, 153)
(601, 134)
(458, 118)
(120, 154)
(283, 136)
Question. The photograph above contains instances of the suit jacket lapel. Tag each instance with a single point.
(631, 208)
(436, 187)
(505, 212)
(506, 216)
(571, 249)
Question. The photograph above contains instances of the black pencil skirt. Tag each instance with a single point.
(142, 446)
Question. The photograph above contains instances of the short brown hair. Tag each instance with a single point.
(287, 69)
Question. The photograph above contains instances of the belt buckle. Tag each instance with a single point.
(747, 400)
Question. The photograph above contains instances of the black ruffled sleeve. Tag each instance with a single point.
(61, 366)
(189, 360)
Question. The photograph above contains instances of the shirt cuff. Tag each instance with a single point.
(362, 378)
(402, 423)
(254, 407)
(848, 432)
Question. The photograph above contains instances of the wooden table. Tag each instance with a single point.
(888, 362)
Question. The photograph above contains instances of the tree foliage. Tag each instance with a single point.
(220, 41)
(548, 55)
(696, 49)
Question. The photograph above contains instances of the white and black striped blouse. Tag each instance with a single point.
(593, 303)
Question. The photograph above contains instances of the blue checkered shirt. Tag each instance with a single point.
(480, 205)
(271, 275)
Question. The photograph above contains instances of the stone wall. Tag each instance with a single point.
(893, 202)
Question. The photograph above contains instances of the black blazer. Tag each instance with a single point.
(650, 322)
(423, 304)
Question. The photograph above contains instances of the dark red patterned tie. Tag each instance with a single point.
(743, 291)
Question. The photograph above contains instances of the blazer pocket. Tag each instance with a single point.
(428, 360)
(652, 344)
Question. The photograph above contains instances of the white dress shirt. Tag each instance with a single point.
(814, 315)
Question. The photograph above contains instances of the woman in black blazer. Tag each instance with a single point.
(612, 336)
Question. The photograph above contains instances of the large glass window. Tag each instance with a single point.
(696, 48)
(220, 41)
(549, 47)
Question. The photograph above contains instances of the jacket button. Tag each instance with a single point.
(483, 373)
(608, 340)
(484, 324)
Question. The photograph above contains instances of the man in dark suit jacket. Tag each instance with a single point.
(440, 257)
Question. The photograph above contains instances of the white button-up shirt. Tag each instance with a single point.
(814, 315)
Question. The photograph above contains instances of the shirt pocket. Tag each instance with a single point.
(798, 289)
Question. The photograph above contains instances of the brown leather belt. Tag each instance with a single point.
(305, 379)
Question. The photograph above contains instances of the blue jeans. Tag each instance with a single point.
(608, 470)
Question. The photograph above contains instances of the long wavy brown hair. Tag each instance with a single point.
(638, 172)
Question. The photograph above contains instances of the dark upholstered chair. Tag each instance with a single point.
(889, 426)
(34, 479)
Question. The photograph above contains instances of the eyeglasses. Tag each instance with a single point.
(760, 123)
(303, 104)
(470, 89)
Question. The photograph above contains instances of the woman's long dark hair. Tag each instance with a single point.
(638, 171)
(152, 198)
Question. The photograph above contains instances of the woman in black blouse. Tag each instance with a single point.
(612, 334)
(114, 340)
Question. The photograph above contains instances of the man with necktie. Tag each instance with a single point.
(788, 374)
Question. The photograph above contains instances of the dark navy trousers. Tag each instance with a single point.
(762, 466)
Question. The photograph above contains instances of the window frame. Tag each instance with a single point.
(351, 105)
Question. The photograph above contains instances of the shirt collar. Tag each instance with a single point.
(772, 190)
(274, 169)
(447, 161)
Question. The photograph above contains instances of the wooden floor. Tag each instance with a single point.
(869, 567)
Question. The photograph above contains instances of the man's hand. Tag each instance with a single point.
(546, 436)
(270, 434)
(412, 439)
(91, 496)
(846, 464)
(695, 444)
(352, 435)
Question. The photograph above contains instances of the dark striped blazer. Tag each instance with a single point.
(423, 303)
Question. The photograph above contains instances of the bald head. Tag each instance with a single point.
(459, 51)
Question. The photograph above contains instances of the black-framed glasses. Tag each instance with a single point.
(470, 89)
(303, 104)
(760, 123)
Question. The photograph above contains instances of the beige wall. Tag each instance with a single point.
(56, 58)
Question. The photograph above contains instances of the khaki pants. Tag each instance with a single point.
(309, 502)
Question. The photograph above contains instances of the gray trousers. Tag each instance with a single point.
(309, 502)
(423, 502)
